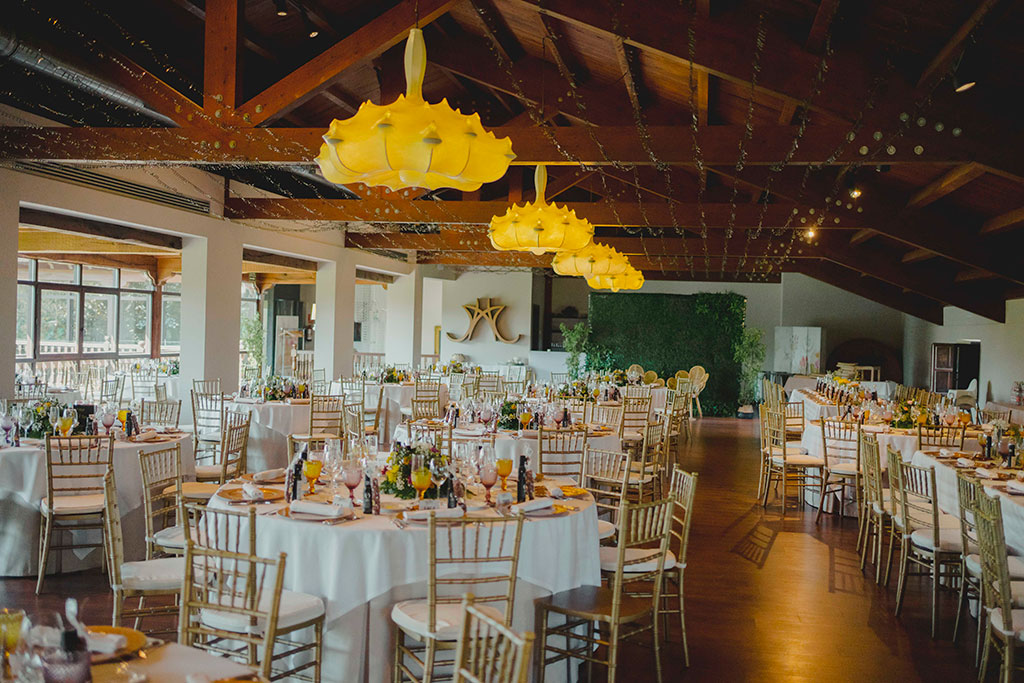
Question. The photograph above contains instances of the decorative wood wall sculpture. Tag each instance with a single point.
(484, 309)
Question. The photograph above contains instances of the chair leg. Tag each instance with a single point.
(319, 635)
(961, 602)
(821, 497)
(613, 651)
(901, 583)
(879, 541)
(682, 623)
(396, 665)
(983, 667)
(44, 550)
(982, 627)
(767, 488)
(888, 562)
(428, 664)
(869, 533)
(657, 645)
(1007, 670)
(936, 574)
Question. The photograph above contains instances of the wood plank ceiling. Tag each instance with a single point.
(713, 140)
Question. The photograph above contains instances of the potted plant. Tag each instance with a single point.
(574, 340)
(749, 354)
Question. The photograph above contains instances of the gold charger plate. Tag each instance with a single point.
(136, 640)
(249, 476)
(237, 494)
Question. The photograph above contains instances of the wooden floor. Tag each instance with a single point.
(767, 599)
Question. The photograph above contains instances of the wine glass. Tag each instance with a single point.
(504, 467)
(54, 416)
(352, 473)
(965, 418)
(439, 473)
(420, 475)
(7, 424)
(488, 471)
(311, 470)
(108, 418)
(332, 461)
(524, 418)
(122, 417)
(68, 420)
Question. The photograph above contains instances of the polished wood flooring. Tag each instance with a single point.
(767, 599)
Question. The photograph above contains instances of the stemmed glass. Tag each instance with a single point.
(488, 470)
(504, 466)
(7, 424)
(352, 473)
(311, 468)
(420, 475)
(54, 416)
(108, 418)
(332, 461)
(68, 421)
(439, 473)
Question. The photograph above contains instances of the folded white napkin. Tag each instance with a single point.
(945, 452)
(146, 435)
(320, 509)
(983, 473)
(105, 643)
(535, 504)
(251, 492)
(441, 513)
(556, 492)
(964, 462)
(269, 475)
(1015, 487)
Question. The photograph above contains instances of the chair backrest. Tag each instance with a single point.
(206, 386)
(840, 441)
(489, 381)
(996, 592)
(516, 373)
(636, 412)
(114, 547)
(160, 413)
(327, 413)
(426, 408)
(990, 415)
(251, 372)
(434, 432)
(684, 488)
(645, 529)
(467, 552)
(918, 503)
(223, 574)
(606, 477)
(610, 416)
(558, 378)
(302, 365)
(653, 452)
(794, 412)
(871, 465)
(967, 489)
(774, 427)
(579, 409)
(488, 651)
(75, 465)
(944, 436)
(144, 384)
(697, 374)
(637, 391)
(207, 412)
(26, 392)
(234, 445)
(650, 377)
(456, 382)
(112, 389)
(560, 452)
(161, 489)
(427, 388)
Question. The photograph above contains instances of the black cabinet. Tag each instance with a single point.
(954, 365)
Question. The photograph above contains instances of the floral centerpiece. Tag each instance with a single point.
(397, 479)
(170, 367)
(508, 415)
(36, 421)
(619, 378)
(907, 415)
(575, 389)
(277, 388)
(392, 375)
(454, 366)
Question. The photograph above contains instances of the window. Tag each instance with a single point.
(97, 276)
(58, 322)
(99, 331)
(136, 319)
(54, 271)
(170, 317)
(26, 320)
(136, 279)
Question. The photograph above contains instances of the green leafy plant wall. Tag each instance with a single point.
(670, 332)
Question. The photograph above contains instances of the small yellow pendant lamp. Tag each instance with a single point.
(630, 279)
(593, 260)
(538, 226)
(412, 143)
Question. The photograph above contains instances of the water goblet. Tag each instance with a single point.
(311, 468)
(54, 416)
(488, 474)
(68, 420)
(504, 468)
(7, 424)
(352, 475)
(420, 475)
(439, 473)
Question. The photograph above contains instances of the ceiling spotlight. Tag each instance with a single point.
(855, 192)
(311, 30)
(282, 7)
(810, 233)
(962, 86)
(852, 187)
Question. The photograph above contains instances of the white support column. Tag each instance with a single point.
(335, 317)
(405, 319)
(9, 218)
(211, 279)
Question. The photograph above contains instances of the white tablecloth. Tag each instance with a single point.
(814, 409)
(903, 441)
(270, 425)
(362, 568)
(171, 663)
(23, 486)
(807, 383)
(396, 397)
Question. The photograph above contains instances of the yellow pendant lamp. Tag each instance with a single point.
(412, 143)
(591, 261)
(630, 279)
(538, 226)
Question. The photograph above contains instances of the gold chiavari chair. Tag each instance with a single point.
(161, 490)
(149, 578)
(684, 488)
(640, 557)
(424, 409)
(608, 415)
(606, 477)
(924, 542)
(944, 436)
(302, 365)
(636, 391)
(437, 433)
(353, 386)
(456, 382)
(234, 604)
(327, 417)
(766, 453)
(967, 490)
(251, 372)
(206, 386)
(372, 411)
(159, 413)
(1004, 629)
(636, 413)
(794, 413)
(81, 381)
(491, 396)
(74, 501)
(877, 508)
(234, 448)
(649, 467)
(425, 390)
(207, 423)
(579, 409)
(145, 385)
(559, 378)
(677, 417)
(353, 421)
(787, 464)
(30, 392)
(989, 415)
(112, 390)
(515, 379)
(489, 381)
(488, 651)
(840, 448)
(462, 553)
(560, 452)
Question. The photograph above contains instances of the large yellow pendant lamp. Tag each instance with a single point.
(591, 261)
(538, 226)
(412, 143)
(630, 279)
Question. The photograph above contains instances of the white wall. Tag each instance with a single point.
(432, 317)
(1002, 348)
(513, 289)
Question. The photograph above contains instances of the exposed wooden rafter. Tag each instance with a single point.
(221, 65)
(1007, 221)
(948, 182)
(819, 28)
(939, 64)
(88, 226)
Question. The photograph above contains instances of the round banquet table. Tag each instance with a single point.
(271, 423)
(510, 445)
(361, 568)
(23, 486)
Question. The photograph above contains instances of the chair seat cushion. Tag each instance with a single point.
(165, 573)
(798, 460)
(795, 445)
(296, 608)
(996, 621)
(949, 540)
(632, 436)
(1016, 564)
(315, 436)
(605, 529)
(171, 537)
(209, 434)
(198, 490)
(412, 616)
(843, 468)
(207, 472)
(610, 560)
(75, 505)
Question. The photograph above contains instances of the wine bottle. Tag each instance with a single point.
(521, 480)
(453, 500)
(988, 447)
(367, 494)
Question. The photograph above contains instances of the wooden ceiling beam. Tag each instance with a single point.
(948, 182)
(870, 288)
(567, 63)
(819, 28)
(497, 31)
(597, 146)
(135, 261)
(1007, 221)
(271, 259)
(480, 212)
(646, 264)
(221, 62)
(88, 226)
(941, 62)
(862, 236)
(366, 42)
(41, 241)
(703, 97)
(567, 179)
(918, 255)
(630, 74)
(972, 275)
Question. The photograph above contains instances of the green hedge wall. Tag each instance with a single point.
(670, 332)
